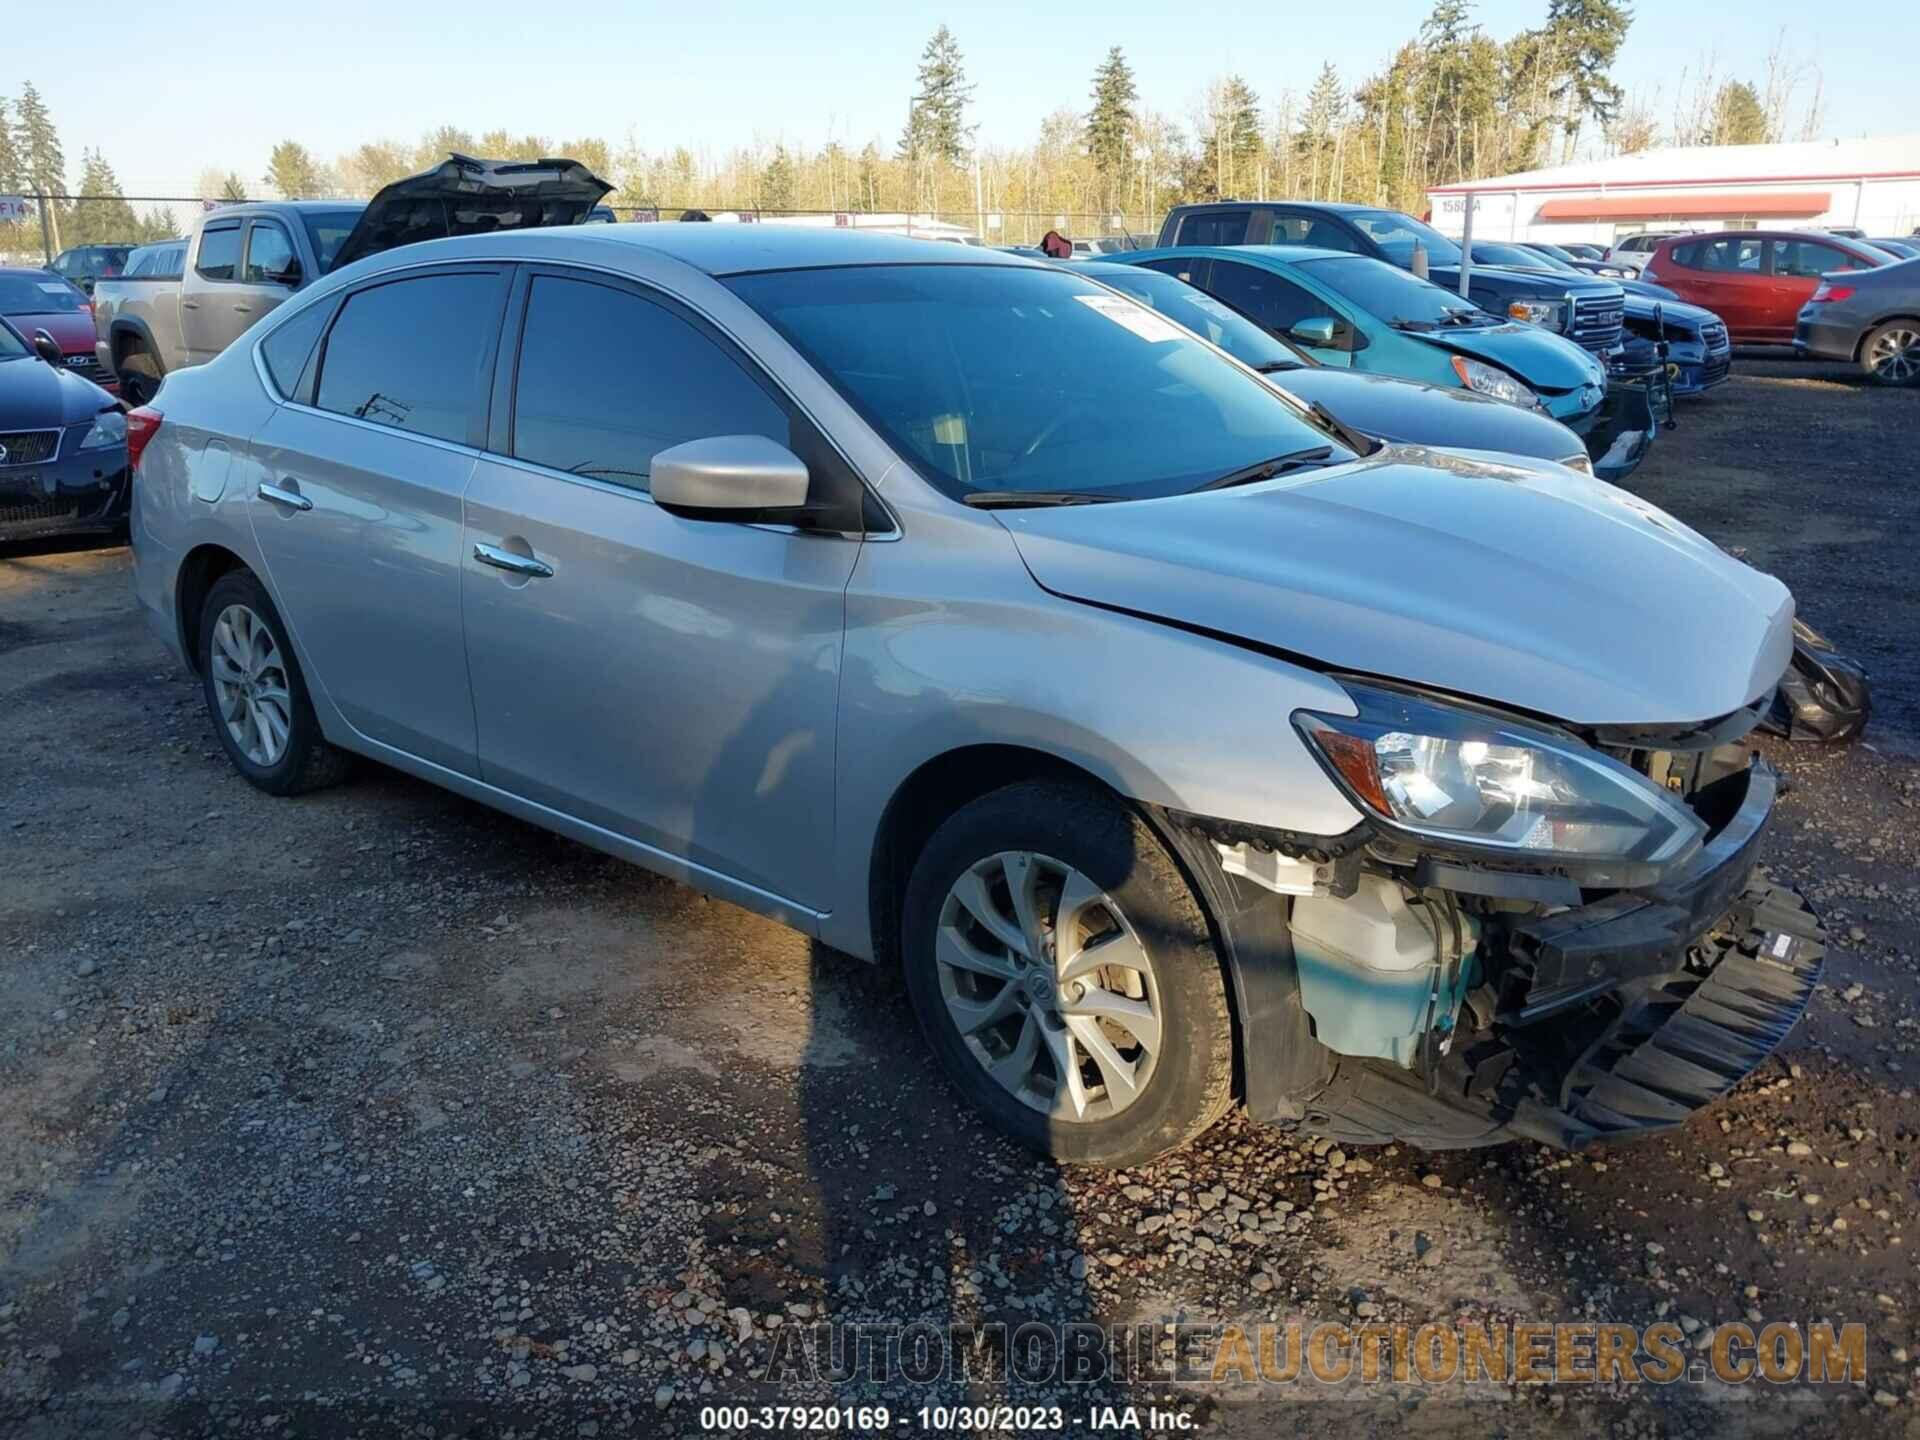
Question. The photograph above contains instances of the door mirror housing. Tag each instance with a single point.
(47, 348)
(730, 477)
(1321, 331)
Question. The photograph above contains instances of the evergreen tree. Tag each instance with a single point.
(937, 116)
(777, 182)
(1584, 36)
(1110, 121)
(1314, 147)
(41, 163)
(103, 216)
(1738, 116)
(9, 155)
(233, 187)
(291, 170)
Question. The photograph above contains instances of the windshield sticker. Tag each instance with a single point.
(1137, 318)
(58, 287)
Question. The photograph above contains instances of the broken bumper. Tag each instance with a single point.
(1620, 430)
(1622, 1018)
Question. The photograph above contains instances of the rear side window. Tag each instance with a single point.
(1215, 227)
(1262, 296)
(1808, 259)
(285, 351)
(607, 380)
(414, 354)
(219, 256)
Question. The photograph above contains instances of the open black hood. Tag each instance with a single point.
(465, 196)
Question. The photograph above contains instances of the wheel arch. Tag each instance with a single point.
(126, 328)
(1860, 345)
(202, 567)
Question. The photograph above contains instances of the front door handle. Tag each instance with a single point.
(512, 562)
(292, 499)
(243, 309)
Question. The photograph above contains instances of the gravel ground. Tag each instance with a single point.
(377, 1112)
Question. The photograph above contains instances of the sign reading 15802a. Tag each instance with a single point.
(13, 207)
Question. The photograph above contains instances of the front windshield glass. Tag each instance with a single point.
(1515, 256)
(328, 231)
(12, 347)
(1207, 317)
(1401, 299)
(1397, 234)
(40, 294)
(1016, 379)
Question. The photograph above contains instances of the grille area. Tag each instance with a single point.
(1714, 335)
(1597, 322)
(28, 447)
(88, 368)
(19, 520)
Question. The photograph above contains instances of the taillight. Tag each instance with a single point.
(1824, 292)
(142, 425)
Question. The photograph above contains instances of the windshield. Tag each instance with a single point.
(43, 293)
(1005, 378)
(12, 347)
(1401, 299)
(328, 230)
(1515, 256)
(1201, 313)
(1397, 234)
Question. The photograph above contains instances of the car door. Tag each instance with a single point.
(358, 501)
(207, 294)
(269, 271)
(1275, 302)
(1728, 276)
(1795, 270)
(673, 681)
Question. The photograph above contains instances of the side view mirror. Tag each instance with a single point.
(289, 276)
(47, 348)
(729, 477)
(1321, 331)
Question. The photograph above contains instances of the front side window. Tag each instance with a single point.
(1315, 230)
(1263, 296)
(219, 257)
(607, 380)
(1397, 235)
(269, 253)
(1733, 254)
(1022, 379)
(413, 354)
(1216, 227)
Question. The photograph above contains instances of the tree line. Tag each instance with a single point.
(1452, 102)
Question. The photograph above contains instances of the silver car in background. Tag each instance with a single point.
(971, 617)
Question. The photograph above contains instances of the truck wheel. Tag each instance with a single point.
(1065, 976)
(1891, 353)
(139, 372)
(256, 695)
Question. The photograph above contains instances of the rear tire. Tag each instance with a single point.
(255, 693)
(139, 373)
(1890, 355)
(1145, 1032)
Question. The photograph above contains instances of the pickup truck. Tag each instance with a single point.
(1591, 313)
(243, 260)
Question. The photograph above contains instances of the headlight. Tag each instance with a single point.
(109, 428)
(1548, 314)
(1488, 784)
(1582, 462)
(1492, 380)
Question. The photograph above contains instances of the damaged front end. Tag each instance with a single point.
(1532, 935)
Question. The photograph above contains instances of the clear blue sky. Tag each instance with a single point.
(216, 82)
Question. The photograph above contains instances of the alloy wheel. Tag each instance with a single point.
(1896, 356)
(1051, 989)
(250, 684)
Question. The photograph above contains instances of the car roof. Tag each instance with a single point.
(726, 248)
(1274, 254)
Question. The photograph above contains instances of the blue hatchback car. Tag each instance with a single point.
(1363, 314)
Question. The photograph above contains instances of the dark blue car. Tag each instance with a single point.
(63, 445)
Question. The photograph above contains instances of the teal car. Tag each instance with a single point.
(1358, 313)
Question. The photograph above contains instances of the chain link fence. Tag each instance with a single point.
(34, 230)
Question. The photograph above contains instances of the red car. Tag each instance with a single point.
(1756, 280)
(41, 300)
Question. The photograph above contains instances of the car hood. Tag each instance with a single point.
(1529, 586)
(72, 330)
(36, 396)
(1410, 413)
(1544, 360)
(1679, 315)
(465, 196)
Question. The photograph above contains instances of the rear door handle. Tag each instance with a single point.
(292, 499)
(512, 562)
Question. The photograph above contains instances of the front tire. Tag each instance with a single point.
(1890, 355)
(1065, 976)
(256, 695)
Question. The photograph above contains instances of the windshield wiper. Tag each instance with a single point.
(1418, 327)
(1353, 439)
(1271, 367)
(1031, 499)
(1267, 469)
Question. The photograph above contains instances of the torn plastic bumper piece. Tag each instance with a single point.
(1824, 697)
